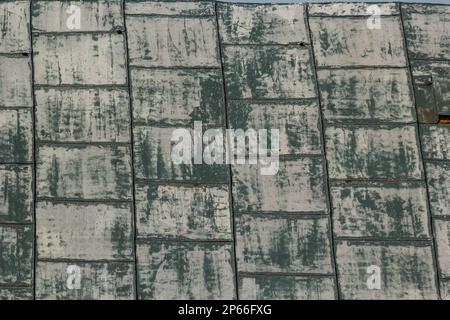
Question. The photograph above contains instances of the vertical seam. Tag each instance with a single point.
(422, 159)
(230, 172)
(34, 165)
(133, 185)
(324, 153)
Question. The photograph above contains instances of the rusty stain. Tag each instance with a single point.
(444, 119)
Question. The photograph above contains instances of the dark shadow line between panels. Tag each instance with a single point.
(326, 170)
(170, 16)
(430, 60)
(76, 33)
(175, 68)
(62, 87)
(152, 240)
(351, 180)
(129, 85)
(230, 172)
(16, 286)
(16, 224)
(77, 260)
(81, 144)
(390, 240)
(422, 157)
(349, 16)
(17, 163)
(298, 45)
(443, 217)
(359, 124)
(360, 67)
(35, 255)
(82, 201)
(161, 125)
(16, 108)
(284, 274)
(180, 183)
(436, 160)
(23, 54)
(274, 100)
(294, 215)
(369, 123)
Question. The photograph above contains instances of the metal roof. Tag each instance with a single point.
(360, 96)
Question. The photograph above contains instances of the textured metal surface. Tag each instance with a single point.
(87, 179)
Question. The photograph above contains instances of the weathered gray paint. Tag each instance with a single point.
(268, 72)
(262, 24)
(16, 293)
(298, 186)
(361, 93)
(406, 270)
(343, 41)
(101, 15)
(16, 149)
(84, 172)
(376, 152)
(187, 212)
(445, 289)
(432, 86)
(84, 231)
(426, 31)
(283, 244)
(15, 79)
(435, 141)
(152, 159)
(99, 281)
(351, 9)
(181, 82)
(185, 271)
(438, 181)
(184, 214)
(16, 255)
(177, 97)
(14, 22)
(82, 115)
(16, 136)
(83, 152)
(273, 287)
(298, 124)
(171, 8)
(172, 41)
(380, 210)
(442, 230)
(366, 95)
(79, 59)
(16, 193)
(266, 62)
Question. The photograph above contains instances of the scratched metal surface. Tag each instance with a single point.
(86, 177)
